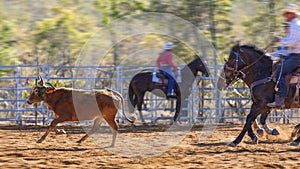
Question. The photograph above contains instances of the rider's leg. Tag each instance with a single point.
(170, 84)
(289, 64)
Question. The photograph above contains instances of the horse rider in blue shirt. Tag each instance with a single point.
(292, 60)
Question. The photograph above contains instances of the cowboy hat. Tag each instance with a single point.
(168, 46)
(291, 8)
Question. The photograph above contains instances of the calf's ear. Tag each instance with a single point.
(50, 90)
(49, 85)
(41, 83)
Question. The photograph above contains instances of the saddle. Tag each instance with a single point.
(159, 78)
(293, 87)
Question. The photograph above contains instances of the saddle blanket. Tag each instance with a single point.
(155, 78)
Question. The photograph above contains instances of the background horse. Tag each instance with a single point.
(142, 82)
(250, 64)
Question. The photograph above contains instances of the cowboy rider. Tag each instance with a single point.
(165, 64)
(292, 60)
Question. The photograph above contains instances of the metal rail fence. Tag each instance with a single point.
(200, 105)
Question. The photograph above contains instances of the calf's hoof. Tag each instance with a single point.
(39, 141)
(294, 143)
(60, 131)
(260, 132)
(275, 132)
(232, 144)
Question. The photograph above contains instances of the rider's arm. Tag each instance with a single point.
(169, 58)
(293, 37)
(158, 61)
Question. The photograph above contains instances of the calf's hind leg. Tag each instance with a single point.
(113, 126)
(96, 126)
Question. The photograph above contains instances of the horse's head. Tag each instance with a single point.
(200, 66)
(232, 69)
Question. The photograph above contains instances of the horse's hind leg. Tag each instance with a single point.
(132, 104)
(140, 101)
(256, 127)
(263, 118)
(296, 132)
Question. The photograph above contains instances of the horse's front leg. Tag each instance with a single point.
(178, 108)
(263, 118)
(247, 127)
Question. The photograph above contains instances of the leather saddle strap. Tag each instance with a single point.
(262, 81)
(297, 90)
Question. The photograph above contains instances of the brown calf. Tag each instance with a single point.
(74, 105)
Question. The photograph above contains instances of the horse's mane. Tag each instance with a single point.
(253, 47)
(147, 70)
(259, 51)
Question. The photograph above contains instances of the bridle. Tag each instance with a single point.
(235, 69)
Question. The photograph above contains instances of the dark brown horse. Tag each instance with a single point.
(142, 82)
(250, 64)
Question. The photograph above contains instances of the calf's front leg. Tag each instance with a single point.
(51, 127)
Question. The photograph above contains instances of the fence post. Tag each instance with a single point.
(18, 85)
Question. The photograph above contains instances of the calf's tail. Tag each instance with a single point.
(122, 104)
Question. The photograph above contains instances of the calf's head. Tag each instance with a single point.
(39, 91)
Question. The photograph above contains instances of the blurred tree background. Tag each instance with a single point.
(55, 31)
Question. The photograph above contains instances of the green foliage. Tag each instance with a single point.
(62, 35)
(7, 43)
(115, 9)
(56, 31)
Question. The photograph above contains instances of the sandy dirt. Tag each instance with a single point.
(18, 149)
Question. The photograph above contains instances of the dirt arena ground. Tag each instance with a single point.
(18, 149)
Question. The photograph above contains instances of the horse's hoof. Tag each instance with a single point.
(232, 144)
(260, 132)
(255, 140)
(275, 132)
(294, 143)
(177, 123)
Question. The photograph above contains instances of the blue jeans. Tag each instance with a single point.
(290, 64)
(167, 71)
(171, 82)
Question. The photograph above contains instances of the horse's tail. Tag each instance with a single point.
(296, 131)
(131, 96)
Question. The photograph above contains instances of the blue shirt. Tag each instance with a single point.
(292, 39)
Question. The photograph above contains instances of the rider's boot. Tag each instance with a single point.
(171, 93)
(278, 103)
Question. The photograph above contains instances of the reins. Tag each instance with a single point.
(264, 53)
(241, 71)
